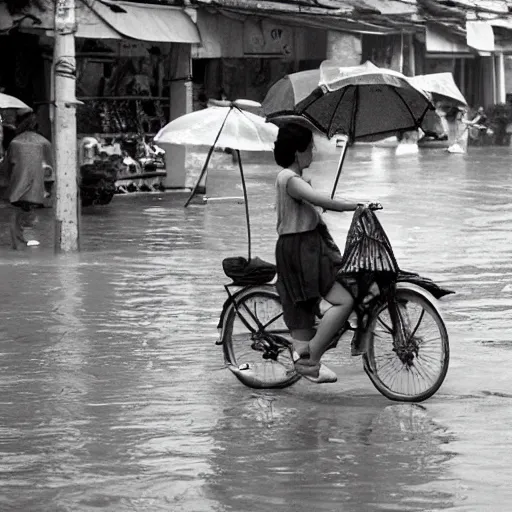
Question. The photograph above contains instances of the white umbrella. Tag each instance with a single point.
(441, 85)
(7, 101)
(227, 126)
(223, 124)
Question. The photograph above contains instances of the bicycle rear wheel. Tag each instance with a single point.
(408, 366)
(256, 342)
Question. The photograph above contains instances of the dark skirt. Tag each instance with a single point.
(307, 266)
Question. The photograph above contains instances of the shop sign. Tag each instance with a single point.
(267, 39)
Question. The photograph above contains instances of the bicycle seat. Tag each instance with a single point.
(253, 272)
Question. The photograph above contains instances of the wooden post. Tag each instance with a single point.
(501, 92)
(401, 61)
(64, 128)
(493, 77)
(181, 104)
(463, 77)
(412, 56)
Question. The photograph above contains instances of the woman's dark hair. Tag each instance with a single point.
(291, 138)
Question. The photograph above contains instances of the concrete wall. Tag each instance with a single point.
(181, 103)
(346, 48)
(231, 38)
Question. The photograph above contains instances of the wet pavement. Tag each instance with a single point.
(113, 395)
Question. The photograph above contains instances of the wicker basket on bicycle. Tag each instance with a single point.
(367, 248)
(368, 257)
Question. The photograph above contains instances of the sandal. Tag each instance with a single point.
(314, 372)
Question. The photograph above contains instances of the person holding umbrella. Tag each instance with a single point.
(478, 125)
(307, 258)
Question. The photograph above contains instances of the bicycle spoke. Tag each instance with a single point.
(271, 321)
(255, 341)
(408, 360)
(386, 326)
(418, 323)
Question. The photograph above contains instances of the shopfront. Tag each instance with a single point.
(242, 57)
(133, 75)
(475, 57)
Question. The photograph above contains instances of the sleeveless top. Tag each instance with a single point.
(293, 215)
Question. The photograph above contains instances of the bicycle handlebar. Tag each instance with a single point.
(372, 206)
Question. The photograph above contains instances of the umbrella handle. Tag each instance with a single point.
(340, 166)
(203, 172)
(244, 188)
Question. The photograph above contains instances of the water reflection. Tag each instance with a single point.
(285, 454)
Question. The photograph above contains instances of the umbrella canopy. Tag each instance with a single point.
(441, 85)
(225, 126)
(286, 93)
(363, 105)
(7, 101)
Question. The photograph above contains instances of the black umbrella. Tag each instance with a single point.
(364, 103)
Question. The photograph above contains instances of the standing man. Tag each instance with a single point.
(23, 167)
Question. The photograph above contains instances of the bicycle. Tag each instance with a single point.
(400, 334)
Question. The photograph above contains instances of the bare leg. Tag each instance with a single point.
(332, 321)
(301, 339)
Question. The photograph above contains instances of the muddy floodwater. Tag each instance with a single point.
(113, 394)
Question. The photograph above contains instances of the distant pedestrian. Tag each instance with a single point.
(23, 170)
(478, 126)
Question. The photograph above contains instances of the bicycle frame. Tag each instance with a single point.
(363, 311)
(360, 311)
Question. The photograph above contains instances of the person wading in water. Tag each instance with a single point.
(23, 174)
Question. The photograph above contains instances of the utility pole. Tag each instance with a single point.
(64, 128)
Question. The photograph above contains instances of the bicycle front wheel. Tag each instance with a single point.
(409, 365)
(256, 342)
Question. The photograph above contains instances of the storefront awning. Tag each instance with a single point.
(451, 39)
(98, 19)
(147, 22)
(442, 41)
(480, 36)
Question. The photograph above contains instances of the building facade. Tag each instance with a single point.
(141, 64)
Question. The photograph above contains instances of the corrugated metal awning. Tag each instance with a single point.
(148, 22)
(97, 19)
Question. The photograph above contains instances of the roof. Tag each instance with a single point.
(361, 16)
(97, 20)
(356, 16)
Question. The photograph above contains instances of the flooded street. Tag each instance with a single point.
(113, 394)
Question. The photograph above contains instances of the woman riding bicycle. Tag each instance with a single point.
(307, 257)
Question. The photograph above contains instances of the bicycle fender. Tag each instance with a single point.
(405, 285)
(424, 282)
